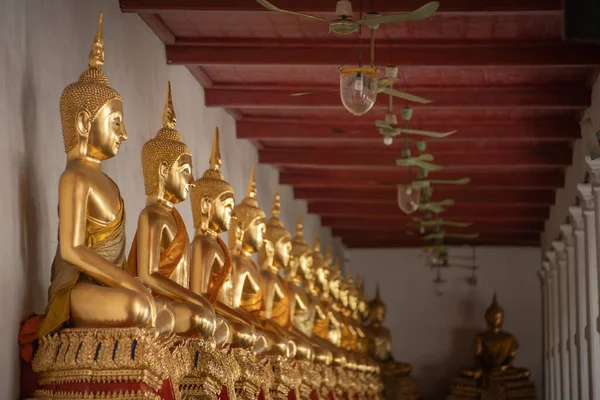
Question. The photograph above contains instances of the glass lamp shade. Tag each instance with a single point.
(358, 89)
(409, 198)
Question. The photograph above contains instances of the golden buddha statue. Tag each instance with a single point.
(494, 377)
(396, 376)
(353, 312)
(89, 284)
(211, 271)
(159, 254)
(102, 328)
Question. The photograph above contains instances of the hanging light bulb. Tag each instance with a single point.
(388, 140)
(358, 89)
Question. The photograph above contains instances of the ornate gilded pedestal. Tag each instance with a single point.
(114, 363)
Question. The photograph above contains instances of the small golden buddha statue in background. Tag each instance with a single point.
(159, 254)
(494, 377)
(211, 266)
(89, 284)
(279, 300)
(396, 376)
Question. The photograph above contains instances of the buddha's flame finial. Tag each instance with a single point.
(215, 154)
(251, 188)
(299, 226)
(276, 208)
(96, 57)
(494, 308)
(168, 118)
(317, 245)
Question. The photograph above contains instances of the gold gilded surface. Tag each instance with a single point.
(89, 286)
(211, 266)
(110, 355)
(160, 252)
(494, 376)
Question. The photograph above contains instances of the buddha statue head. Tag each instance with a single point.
(212, 197)
(494, 315)
(377, 309)
(167, 161)
(321, 271)
(278, 236)
(236, 236)
(91, 112)
(362, 300)
(336, 279)
(352, 294)
(251, 218)
(301, 257)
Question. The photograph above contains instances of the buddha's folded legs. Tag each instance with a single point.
(192, 320)
(94, 305)
(223, 332)
(165, 317)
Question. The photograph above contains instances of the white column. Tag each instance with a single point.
(576, 215)
(554, 327)
(589, 223)
(594, 169)
(543, 274)
(567, 236)
(563, 317)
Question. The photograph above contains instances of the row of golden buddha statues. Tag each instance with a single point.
(200, 320)
(175, 319)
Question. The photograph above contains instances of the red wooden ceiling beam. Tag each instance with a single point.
(379, 158)
(307, 130)
(549, 179)
(442, 97)
(391, 224)
(447, 6)
(460, 194)
(208, 51)
(457, 211)
(381, 243)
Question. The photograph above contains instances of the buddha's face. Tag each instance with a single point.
(105, 132)
(335, 284)
(378, 313)
(283, 248)
(495, 320)
(179, 180)
(255, 234)
(362, 307)
(305, 262)
(353, 300)
(323, 280)
(222, 209)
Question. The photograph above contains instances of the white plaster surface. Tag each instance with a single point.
(43, 47)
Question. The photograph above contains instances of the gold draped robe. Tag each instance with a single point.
(108, 242)
(173, 259)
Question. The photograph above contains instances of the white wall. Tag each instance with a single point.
(436, 334)
(43, 47)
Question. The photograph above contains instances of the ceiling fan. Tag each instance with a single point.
(345, 25)
(438, 222)
(389, 127)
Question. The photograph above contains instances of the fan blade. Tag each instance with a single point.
(436, 208)
(426, 165)
(316, 91)
(428, 133)
(383, 124)
(271, 7)
(405, 96)
(385, 83)
(423, 12)
(434, 235)
(456, 224)
(463, 235)
(446, 202)
(420, 184)
(461, 181)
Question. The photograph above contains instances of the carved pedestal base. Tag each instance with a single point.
(501, 386)
(125, 363)
(211, 370)
(287, 379)
(255, 375)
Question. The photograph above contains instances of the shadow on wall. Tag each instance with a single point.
(434, 380)
(34, 295)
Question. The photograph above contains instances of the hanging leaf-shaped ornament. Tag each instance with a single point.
(408, 198)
